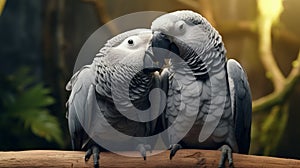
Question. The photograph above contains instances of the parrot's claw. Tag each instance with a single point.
(94, 150)
(88, 154)
(173, 149)
(143, 148)
(226, 155)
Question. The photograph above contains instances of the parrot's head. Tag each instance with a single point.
(183, 33)
(130, 49)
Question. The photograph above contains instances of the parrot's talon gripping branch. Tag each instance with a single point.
(226, 155)
(143, 148)
(173, 149)
(94, 150)
(88, 154)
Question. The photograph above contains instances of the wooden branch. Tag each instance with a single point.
(265, 53)
(295, 72)
(184, 158)
(279, 96)
(267, 102)
(276, 98)
(283, 86)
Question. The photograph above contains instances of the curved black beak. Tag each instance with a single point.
(151, 64)
(163, 47)
(160, 48)
(160, 44)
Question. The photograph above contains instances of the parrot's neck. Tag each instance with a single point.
(201, 65)
(121, 80)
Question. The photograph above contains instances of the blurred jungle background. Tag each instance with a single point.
(40, 40)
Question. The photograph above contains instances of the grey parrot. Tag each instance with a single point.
(109, 104)
(208, 97)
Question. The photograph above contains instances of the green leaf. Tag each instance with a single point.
(27, 101)
(47, 126)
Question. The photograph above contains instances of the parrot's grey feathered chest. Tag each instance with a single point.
(199, 88)
(122, 88)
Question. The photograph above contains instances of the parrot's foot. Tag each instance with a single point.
(226, 154)
(173, 149)
(94, 150)
(143, 148)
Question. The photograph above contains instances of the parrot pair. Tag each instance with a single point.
(208, 98)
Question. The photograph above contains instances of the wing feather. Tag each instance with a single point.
(241, 104)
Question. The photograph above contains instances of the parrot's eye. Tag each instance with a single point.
(180, 26)
(130, 42)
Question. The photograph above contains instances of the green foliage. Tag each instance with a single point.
(24, 107)
(268, 130)
(273, 128)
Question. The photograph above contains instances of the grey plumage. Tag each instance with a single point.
(241, 104)
(113, 85)
(204, 88)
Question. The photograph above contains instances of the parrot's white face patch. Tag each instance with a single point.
(130, 51)
(135, 42)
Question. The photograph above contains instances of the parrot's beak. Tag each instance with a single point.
(151, 64)
(159, 49)
(163, 47)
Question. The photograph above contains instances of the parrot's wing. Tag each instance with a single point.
(79, 103)
(241, 104)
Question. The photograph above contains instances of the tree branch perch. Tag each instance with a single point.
(184, 158)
